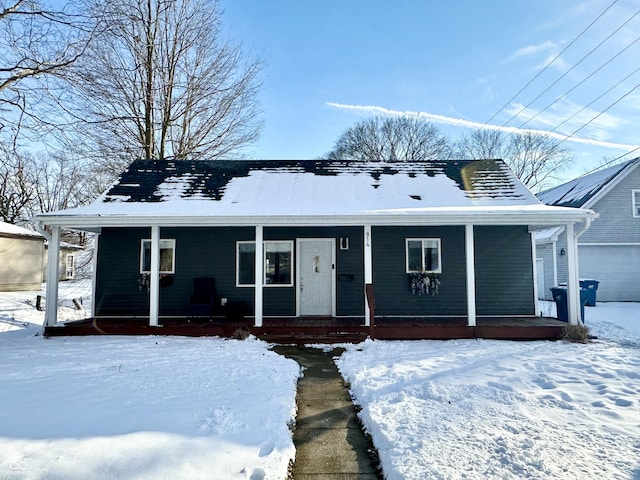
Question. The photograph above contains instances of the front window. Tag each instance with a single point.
(424, 255)
(167, 256)
(278, 261)
(636, 203)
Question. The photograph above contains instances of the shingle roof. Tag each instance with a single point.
(579, 191)
(474, 181)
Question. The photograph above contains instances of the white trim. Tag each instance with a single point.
(573, 288)
(238, 284)
(94, 274)
(422, 241)
(554, 257)
(368, 271)
(258, 290)
(53, 270)
(471, 274)
(532, 215)
(635, 206)
(612, 244)
(534, 262)
(332, 241)
(154, 280)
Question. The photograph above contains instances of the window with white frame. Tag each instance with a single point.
(636, 202)
(423, 255)
(167, 256)
(70, 264)
(278, 263)
(246, 264)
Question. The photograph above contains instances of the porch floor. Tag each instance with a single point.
(322, 329)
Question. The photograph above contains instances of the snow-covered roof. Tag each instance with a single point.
(183, 191)
(579, 191)
(548, 235)
(10, 230)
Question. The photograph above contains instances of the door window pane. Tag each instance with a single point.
(246, 263)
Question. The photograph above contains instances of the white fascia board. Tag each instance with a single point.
(537, 218)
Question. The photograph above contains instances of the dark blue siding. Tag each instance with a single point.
(504, 271)
(200, 252)
(391, 282)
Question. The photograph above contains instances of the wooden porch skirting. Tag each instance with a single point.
(323, 329)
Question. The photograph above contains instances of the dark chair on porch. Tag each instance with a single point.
(202, 300)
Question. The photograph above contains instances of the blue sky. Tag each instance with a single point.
(331, 63)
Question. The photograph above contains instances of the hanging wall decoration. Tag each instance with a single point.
(424, 283)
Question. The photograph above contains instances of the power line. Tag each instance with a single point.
(609, 162)
(598, 115)
(550, 63)
(578, 63)
(584, 80)
(595, 100)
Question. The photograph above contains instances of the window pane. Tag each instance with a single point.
(431, 256)
(277, 263)
(414, 255)
(167, 248)
(146, 255)
(246, 263)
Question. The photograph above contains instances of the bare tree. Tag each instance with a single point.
(393, 139)
(160, 82)
(36, 42)
(535, 159)
(16, 186)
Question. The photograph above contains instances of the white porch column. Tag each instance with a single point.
(53, 274)
(471, 275)
(154, 277)
(534, 265)
(368, 272)
(259, 274)
(573, 281)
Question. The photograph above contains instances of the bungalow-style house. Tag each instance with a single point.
(609, 250)
(315, 239)
(21, 258)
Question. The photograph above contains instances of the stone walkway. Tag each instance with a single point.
(330, 444)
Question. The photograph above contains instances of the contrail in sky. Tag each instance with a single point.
(468, 124)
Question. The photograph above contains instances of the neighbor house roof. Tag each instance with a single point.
(14, 231)
(585, 190)
(306, 191)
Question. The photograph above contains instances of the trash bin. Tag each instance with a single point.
(590, 286)
(562, 308)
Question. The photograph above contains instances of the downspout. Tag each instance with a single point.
(573, 297)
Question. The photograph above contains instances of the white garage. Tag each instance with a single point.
(616, 267)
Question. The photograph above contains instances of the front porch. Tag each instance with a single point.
(324, 329)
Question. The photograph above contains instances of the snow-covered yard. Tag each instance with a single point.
(190, 408)
(495, 409)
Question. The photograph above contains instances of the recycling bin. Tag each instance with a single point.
(590, 286)
(562, 308)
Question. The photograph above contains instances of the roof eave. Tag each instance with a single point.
(551, 216)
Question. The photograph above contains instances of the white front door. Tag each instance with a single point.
(316, 267)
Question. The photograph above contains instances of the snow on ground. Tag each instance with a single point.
(139, 407)
(479, 409)
(190, 408)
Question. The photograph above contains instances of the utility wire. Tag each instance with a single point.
(595, 100)
(576, 64)
(598, 115)
(580, 83)
(549, 64)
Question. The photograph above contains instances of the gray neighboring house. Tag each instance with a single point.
(609, 251)
(21, 258)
